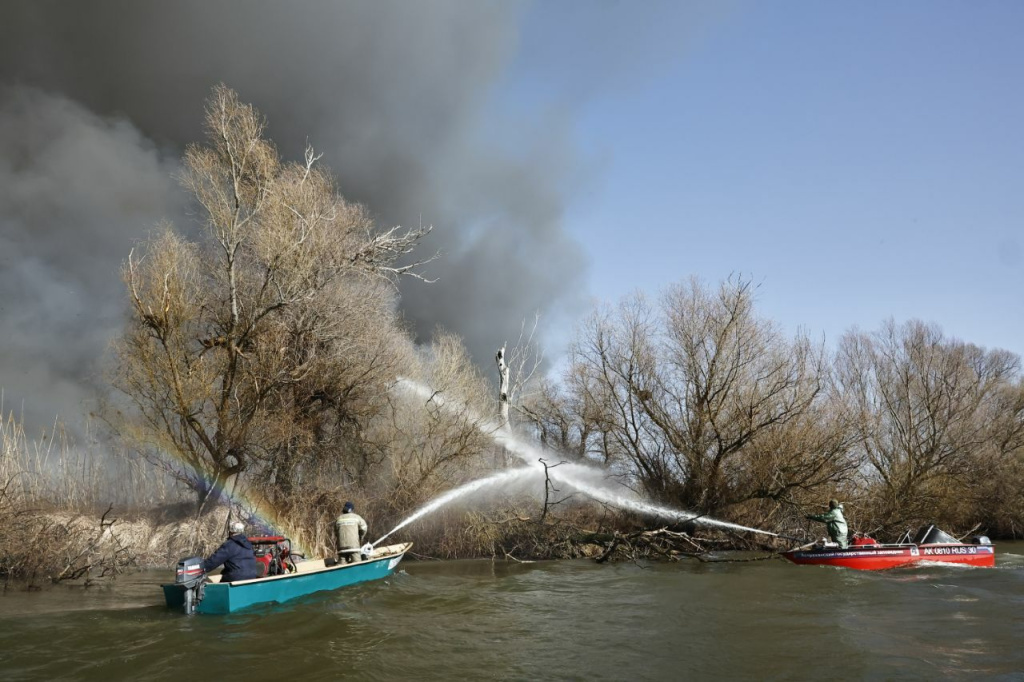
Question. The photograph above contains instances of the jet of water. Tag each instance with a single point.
(504, 477)
(573, 475)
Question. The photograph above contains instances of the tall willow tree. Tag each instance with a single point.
(264, 345)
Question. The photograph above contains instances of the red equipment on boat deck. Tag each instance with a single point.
(272, 553)
(865, 540)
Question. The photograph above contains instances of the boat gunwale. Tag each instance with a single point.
(810, 547)
(337, 567)
(402, 549)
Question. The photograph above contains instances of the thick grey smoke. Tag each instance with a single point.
(74, 190)
(395, 94)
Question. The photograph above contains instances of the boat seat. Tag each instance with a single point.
(310, 565)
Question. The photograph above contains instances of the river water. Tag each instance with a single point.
(572, 620)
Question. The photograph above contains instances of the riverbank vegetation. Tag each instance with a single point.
(264, 371)
(709, 407)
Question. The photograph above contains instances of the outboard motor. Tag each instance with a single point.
(190, 576)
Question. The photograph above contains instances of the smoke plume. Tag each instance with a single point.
(99, 98)
(74, 190)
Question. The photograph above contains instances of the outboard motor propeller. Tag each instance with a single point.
(190, 576)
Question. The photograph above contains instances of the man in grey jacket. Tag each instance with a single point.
(350, 529)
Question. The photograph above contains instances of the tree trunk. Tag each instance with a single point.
(502, 389)
(502, 400)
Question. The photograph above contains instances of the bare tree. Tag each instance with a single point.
(690, 397)
(433, 442)
(268, 340)
(563, 419)
(517, 369)
(926, 408)
(992, 494)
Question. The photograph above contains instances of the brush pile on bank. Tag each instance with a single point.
(53, 527)
(38, 547)
(41, 538)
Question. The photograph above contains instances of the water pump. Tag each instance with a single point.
(191, 576)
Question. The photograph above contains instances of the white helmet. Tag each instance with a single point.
(237, 527)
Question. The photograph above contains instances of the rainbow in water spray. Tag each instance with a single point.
(260, 512)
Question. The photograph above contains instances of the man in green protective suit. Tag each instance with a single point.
(834, 522)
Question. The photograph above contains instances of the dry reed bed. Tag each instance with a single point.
(55, 522)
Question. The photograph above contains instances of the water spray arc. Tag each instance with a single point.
(504, 477)
(565, 474)
(573, 475)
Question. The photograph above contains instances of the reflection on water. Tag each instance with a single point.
(564, 620)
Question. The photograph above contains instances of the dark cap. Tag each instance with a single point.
(348, 507)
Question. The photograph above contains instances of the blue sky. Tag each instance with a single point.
(860, 160)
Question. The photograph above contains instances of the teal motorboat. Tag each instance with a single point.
(195, 591)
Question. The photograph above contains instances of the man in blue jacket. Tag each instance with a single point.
(237, 556)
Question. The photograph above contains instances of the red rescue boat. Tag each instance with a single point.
(929, 544)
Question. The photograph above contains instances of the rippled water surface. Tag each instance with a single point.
(577, 620)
